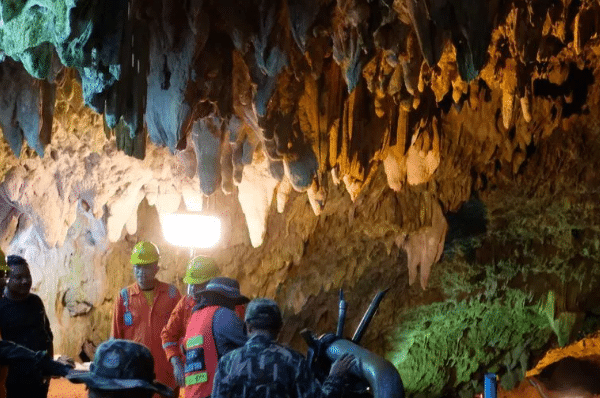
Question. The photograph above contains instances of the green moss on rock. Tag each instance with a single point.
(446, 343)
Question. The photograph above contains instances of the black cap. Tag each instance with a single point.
(263, 313)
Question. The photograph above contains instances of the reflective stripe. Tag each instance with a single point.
(194, 342)
(196, 378)
(169, 344)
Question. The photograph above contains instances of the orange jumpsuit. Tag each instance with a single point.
(134, 319)
(173, 334)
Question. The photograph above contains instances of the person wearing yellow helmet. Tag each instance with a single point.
(199, 272)
(142, 309)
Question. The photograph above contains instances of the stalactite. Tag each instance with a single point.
(206, 137)
(305, 88)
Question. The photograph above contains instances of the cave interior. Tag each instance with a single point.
(444, 150)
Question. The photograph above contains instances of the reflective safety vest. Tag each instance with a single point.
(201, 355)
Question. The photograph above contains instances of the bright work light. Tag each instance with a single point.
(191, 230)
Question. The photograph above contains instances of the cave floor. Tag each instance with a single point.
(62, 388)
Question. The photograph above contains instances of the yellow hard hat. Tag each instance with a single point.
(201, 269)
(3, 266)
(144, 253)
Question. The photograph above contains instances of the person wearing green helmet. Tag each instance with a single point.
(142, 309)
(199, 272)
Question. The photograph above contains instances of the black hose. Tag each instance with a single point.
(382, 376)
(343, 306)
(366, 319)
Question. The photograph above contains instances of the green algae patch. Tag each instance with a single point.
(445, 344)
(30, 29)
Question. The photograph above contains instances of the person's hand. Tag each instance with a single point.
(178, 371)
(65, 360)
(341, 367)
(52, 368)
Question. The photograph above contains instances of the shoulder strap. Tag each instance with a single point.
(173, 291)
(125, 297)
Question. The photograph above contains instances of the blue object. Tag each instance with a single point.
(127, 316)
(489, 385)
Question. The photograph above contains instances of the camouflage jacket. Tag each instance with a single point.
(264, 369)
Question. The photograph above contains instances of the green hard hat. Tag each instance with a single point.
(144, 253)
(201, 269)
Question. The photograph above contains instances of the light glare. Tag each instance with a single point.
(191, 230)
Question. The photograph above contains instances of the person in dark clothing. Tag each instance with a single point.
(23, 321)
(214, 329)
(228, 328)
(122, 369)
(12, 354)
(264, 368)
(39, 361)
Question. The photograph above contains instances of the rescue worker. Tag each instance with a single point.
(214, 330)
(199, 272)
(264, 368)
(143, 308)
(23, 320)
(121, 369)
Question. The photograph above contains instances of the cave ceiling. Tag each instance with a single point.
(170, 101)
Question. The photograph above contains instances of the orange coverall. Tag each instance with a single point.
(174, 332)
(146, 323)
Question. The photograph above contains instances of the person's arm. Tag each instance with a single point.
(333, 386)
(11, 353)
(117, 328)
(306, 385)
(50, 336)
(174, 330)
(217, 391)
(47, 328)
(228, 330)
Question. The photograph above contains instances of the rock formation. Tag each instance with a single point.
(336, 139)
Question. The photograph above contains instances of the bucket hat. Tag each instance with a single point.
(226, 287)
(121, 365)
